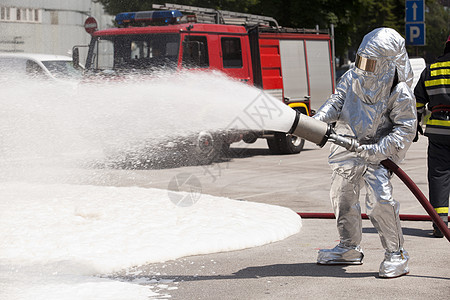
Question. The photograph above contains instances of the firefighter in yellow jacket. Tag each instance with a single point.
(433, 92)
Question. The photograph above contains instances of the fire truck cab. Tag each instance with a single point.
(293, 65)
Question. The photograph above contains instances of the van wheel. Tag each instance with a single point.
(283, 143)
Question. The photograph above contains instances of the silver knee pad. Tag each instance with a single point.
(341, 254)
(395, 264)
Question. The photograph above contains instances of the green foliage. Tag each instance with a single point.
(352, 18)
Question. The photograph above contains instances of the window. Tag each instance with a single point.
(62, 69)
(231, 52)
(130, 53)
(195, 52)
(14, 14)
(54, 20)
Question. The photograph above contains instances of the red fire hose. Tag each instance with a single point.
(390, 165)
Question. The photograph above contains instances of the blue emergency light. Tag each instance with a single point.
(153, 16)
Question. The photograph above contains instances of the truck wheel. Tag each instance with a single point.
(283, 143)
(205, 148)
(250, 138)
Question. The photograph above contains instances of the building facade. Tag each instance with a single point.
(47, 26)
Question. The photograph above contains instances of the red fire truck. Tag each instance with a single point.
(293, 65)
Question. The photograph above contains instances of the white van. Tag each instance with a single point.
(38, 66)
(417, 65)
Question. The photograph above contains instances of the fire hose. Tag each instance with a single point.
(320, 132)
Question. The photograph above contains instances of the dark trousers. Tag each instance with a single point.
(439, 176)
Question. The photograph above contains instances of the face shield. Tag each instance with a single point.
(365, 64)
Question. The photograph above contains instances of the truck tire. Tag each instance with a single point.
(283, 143)
(250, 138)
(205, 148)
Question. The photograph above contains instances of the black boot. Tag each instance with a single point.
(436, 231)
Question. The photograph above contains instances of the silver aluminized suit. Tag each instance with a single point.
(374, 104)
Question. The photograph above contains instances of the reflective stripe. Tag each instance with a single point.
(434, 122)
(440, 65)
(440, 72)
(441, 210)
(438, 91)
(434, 82)
(419, 105)
(436, 130)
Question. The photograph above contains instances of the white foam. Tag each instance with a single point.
(54, 238)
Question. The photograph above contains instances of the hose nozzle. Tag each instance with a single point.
(311, 129)
(320, 132)
(348, 143)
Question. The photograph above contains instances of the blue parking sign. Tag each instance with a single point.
(415, 34)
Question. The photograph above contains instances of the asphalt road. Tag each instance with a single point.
(287, 269)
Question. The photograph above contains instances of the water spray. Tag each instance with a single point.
(320, 133)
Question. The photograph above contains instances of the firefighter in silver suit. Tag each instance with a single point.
(373, 103)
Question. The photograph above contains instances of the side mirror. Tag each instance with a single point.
(76, 57)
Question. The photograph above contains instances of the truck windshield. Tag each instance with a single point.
(134, 52)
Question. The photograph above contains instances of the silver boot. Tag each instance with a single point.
(395, 264)
(341, 254)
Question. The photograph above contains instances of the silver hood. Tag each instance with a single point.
(385, 48)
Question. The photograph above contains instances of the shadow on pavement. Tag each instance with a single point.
(406, 231)
(301, 269)
(279, 270)
(418, 232)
